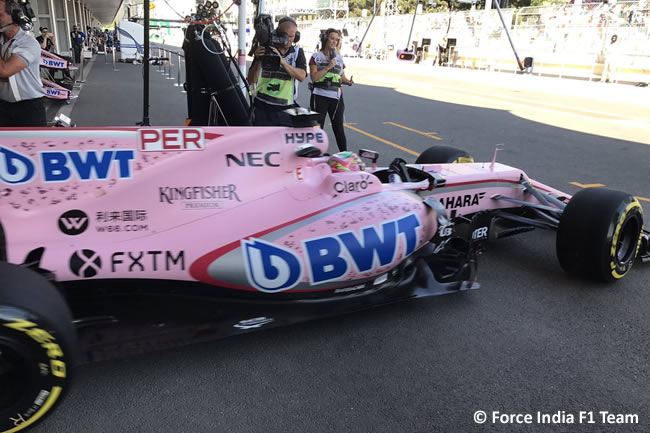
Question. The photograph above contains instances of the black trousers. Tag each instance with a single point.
(77, 53)
(268, 117)
(335, 108)
(28, 113)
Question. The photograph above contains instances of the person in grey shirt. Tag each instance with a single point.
(21, 91)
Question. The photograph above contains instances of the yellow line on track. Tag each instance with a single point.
(426, 134)
(586, 185)
(592, 185)
(374, 137)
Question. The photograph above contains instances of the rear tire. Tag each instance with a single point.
(37, 340)
(444, 155)
(600, 234)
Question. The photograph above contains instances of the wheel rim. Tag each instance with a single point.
(13, 376)
(626, 243)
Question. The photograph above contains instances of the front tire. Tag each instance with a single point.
(37, 340)
(600, 234)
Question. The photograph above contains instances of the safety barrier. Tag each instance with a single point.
(165, 67)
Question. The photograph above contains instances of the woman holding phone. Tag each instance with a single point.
(326, 69)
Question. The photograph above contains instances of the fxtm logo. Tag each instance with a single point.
(253, 159)
(61, 166)
(85, 263)
(271, 269)
(462, 200)
(73, 222)
(88, 263)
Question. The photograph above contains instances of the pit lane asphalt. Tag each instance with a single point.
(531, 339)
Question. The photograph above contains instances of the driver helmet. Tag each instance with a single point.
(345, 161)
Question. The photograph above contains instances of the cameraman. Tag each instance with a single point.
(46, 39)
(21, 91)
(276, 91)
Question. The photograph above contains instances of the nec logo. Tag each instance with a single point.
(170, 139)
(254, 159)
(303, 137)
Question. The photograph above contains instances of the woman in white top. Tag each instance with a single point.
(327, 75)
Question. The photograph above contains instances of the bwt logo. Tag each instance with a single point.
(303, 137)
(53, 92)
(271, 269)
(170, 139)
(53, 63)
(62, 166)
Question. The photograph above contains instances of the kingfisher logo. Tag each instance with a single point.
(62, 166)
(272, 269)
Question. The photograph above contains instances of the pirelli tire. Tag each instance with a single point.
(37, 344)
(443, 155)
(599, 234)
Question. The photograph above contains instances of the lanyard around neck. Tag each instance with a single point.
(4, 51)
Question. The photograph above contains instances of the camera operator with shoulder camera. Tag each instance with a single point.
(281, 64)
(21, 91)
(326, 70)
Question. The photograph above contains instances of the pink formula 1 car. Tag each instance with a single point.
(117, 241)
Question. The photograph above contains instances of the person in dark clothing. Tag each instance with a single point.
(326, 69)
(77, 37)
(46, 40)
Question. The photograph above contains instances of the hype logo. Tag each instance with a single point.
(15, 168)
(269, 268)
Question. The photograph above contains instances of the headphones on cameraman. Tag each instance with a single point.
(289, 19)
(21, 13)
